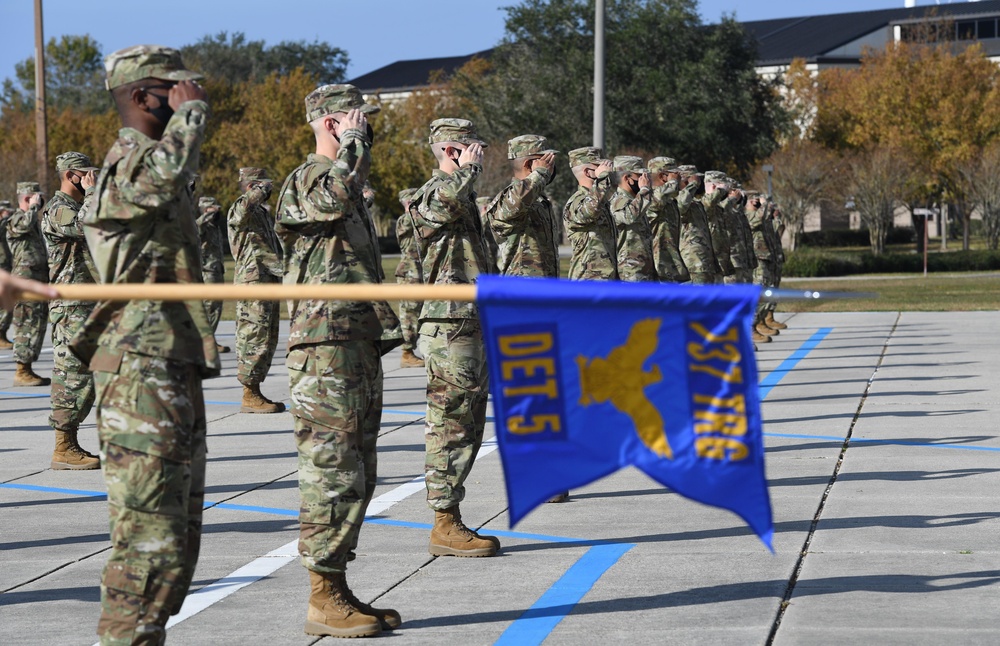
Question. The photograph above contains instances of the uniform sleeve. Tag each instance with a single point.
(514, 204)
(628, 210)
(166, 168)
(587, 209)
(685, 197)
(449, 198)
(19, 224)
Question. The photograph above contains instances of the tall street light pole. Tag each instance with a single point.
(41, 126)
(599, 75)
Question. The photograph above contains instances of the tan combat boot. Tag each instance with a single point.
(450, 537)
(760, 338)
(410, 360)
(25, 376)
(255, 402)
(387, 617)
(331, 612)
(763, 329)
(773, 324)
(222, 349)
(70, 456)
(4, 343)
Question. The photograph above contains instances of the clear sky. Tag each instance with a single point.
(374, 32)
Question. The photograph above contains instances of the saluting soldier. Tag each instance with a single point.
(29, 260)
(665, 221)
(628, 205)
(588, 219)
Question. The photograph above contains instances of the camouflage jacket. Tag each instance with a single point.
(762, 240)
(525, 227)
(778, 226)
(489, 244)
(212, 251)
(62, 227)
(27, 248)
(252, 240)
(327, 236)
(448, 231)
(696, 237)
(5, 257)
(665, 225)
(141, 228)
(592, 232)
(720, 234)
(740, 237)
(408, 270)
(634, 243)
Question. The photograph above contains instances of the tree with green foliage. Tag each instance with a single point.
(74, 77)
(234, 59)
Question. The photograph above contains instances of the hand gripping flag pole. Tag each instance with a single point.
(590, 377)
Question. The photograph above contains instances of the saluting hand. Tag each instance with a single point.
(89, 179)
(185, 91)
(473, 154)
(355, 119)
(644, 180)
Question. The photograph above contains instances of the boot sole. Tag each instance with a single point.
(44, 382)
(318, 629)
(66, 466)
(247, 409)
(440, 550)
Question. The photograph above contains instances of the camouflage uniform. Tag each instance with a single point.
(449, 232)
(408, 270)
(665, 226)
(635, 241)
(213, 269)
(591, 227)
(720, 234)
(334, 347)
(148, 359)
(28, 259)
(489, 240)
(257, 253)
(763, 273)
(6, 210)
(522, 219)
(695, 245)
(70, 262)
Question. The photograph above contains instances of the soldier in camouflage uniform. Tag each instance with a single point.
(149, 357)
(70, 262)
(449, 232)
(715, 192)
(695, 245)
(588, 219)
(29, 260)
(775, 225)
(213, 268)
(334, 355)
(408, 272)
(628, 208)
(6, 210)
(489, 240)
(763, 274)
(665, 221)
(521, 216)
(257, 255)
(740, 239)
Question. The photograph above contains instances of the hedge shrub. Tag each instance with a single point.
(808, 263)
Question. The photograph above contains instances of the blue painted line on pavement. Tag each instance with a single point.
(68, 492)
(17, 394)
(772, 379)
(538, 621)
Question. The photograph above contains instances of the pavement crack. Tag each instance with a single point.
(56, 569)
(797, 570)
(26, 475)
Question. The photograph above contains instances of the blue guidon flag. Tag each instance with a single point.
(590, 377)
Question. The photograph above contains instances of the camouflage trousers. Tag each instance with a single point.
(5, 319)
(151, 423)
(256, 339)
(72, 382)
(214, 308)
(703, 278)
(30, 319)
(457, 391)
(409, 313)
(336, 391)
(763, 275)
(740, 276)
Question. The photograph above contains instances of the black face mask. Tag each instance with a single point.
(552, 175)
(633, 185)
(163, 112)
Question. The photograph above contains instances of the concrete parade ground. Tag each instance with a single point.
(888, 538)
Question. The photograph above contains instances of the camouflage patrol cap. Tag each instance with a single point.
(662, 165)
(687, 170)
(73, 161)
(715, 176)
(205, 202)
(330, 99)
(461, 131)
(528, 145)
(6, 205)
(406, 194)
(585, 155)
(146, 62)
(27, 188)
(628, 164)
(250, 173)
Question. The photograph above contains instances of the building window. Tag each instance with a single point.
(966, 30)
(986, 28)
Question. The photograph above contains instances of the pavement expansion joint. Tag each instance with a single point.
(797, 570)
(55, 569)
(26, 475)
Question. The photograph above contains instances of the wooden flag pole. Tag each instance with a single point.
(261, 292)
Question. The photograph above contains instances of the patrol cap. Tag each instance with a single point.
(406, 194)
(483, 201)
(146, 62)
(205, 202)
(461, 131)
(662, 165)
(5, 204)
(73, 161)
(687, 170)
(27, 188)
(330, 99)
(585, 155)
(718, 177)
(628, 164)
(527, 145)
(249, 174)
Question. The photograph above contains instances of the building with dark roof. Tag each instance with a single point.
(833, 40)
